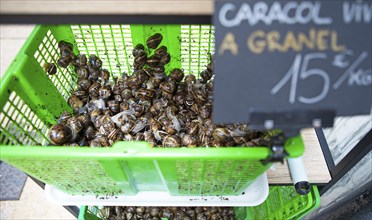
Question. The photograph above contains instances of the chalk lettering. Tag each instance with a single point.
(355, 77)
(305, 73)
(340, 59)
(299, 70)
(321, 40)
(256, 43)
(302, 13)
(358, 12)
(360, 78)
(229, 43)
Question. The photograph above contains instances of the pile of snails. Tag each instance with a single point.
(171, 213)
(166, 110)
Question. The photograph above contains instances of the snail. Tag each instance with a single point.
(177, 75)
(63, 45)
(94, 62)
(165, 59)
(152, 61)
(171, 141)
(104, 74)
(139, 48)
(50, 68)
(63, 62)
(82, 72)
(75, 102)
(84, 84)
(60, 134)
(154, 41)
(80, 60)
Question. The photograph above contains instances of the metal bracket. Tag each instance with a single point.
(278, 152)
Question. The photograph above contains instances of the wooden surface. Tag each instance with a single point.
(128, 7)
(314, 162)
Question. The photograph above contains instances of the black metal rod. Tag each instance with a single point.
(74, 210)
(104, 19)
(355, 155)
(326, 152)
(350, 160)
(38, 182)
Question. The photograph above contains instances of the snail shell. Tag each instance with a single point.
(138, 110)
(63, 45)
(105, 75)
(50, 68)
(95, 62)
(145, 94)
(67, 53)
(114, 106)
(84, 84)
(93, 73)
(152, 61)
(84, 119)
(189, 140)
(177, 74)
(75, 102)
(134, 82)
(80, 60)
(168, 87)
(165, 59)
(171, 141)
(60, 134)
(63, 62)
(75, 124)
(90, 132)
(118, 98)
(105, 92)
(154, 41)
(82, 72)
(142, 76)
(138, 49)
(206, 75)
(190, 78)
(220, 134)
(64, 117)
(94, 90)
(161, 51)
(205, 111)
(126, 94)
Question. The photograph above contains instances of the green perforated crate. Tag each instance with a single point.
(283, 203)
(31, 101)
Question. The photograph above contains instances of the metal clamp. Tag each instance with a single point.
(278, 154)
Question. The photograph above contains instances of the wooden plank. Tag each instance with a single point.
(129, 7)
(314, 162)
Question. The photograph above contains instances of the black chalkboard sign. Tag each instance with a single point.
(291, 60)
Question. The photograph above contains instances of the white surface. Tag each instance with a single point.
(32, 205)
(12, 38)
(254, 195)
(297, 169)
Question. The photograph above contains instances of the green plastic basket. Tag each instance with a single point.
(283, 203)
(31, 101)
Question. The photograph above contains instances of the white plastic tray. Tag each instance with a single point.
(254, 195)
